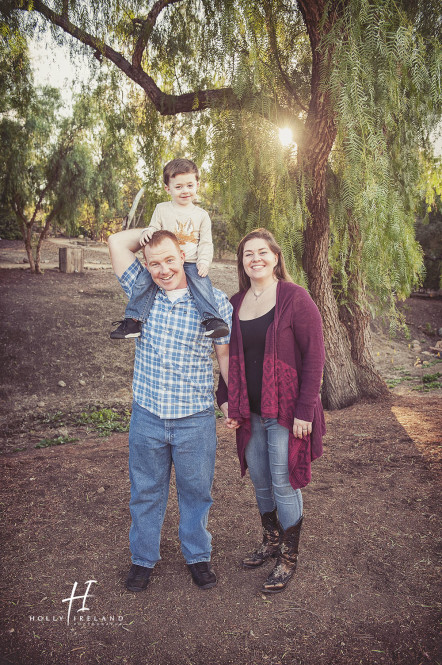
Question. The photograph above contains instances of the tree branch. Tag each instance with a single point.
(165, 104)
(146, 29)
(270, 25)
(20, 214)
(38, 204)
(190, 102)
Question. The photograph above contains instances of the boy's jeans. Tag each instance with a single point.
(267, 459)
(154, 444)
(145, 289)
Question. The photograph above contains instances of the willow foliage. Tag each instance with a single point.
(383, 79)
(385, 86)
(384, 83)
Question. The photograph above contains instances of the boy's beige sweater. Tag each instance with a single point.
(192, 227)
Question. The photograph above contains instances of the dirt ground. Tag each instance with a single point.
(366, 590)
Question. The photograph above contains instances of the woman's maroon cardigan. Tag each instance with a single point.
(292, 373)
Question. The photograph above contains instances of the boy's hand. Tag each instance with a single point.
(145, 236)
(203, 270)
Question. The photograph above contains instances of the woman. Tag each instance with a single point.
(275, 372)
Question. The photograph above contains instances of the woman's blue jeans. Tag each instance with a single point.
(154, 444)
(145, 290)
(267, 459)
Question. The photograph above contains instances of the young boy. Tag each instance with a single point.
(192, 227)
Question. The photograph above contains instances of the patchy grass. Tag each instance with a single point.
(392, 383)
(404, 375)
(63, 425)
(57, 441)
(55, 419)
(105, 421)
(429, 330)
(429, 378)
(430, 382)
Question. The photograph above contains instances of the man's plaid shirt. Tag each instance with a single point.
(173, 374)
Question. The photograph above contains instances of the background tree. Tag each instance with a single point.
(358, 82)
(429, 223)
(15, 87)
(44, 168)
(64, 171)
(429, 234)
(112, 121)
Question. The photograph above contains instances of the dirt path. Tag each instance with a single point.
(366, 591)
(13, 254)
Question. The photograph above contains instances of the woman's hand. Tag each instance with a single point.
(231, 423)
(301, 428)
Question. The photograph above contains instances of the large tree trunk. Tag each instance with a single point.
(347, 370)
(356, 318)
(340, 386)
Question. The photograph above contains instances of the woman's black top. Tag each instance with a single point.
(254, 339)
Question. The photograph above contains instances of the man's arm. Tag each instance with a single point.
(222, 355)
(122, 249)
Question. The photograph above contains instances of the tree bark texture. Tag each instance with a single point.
(340, 387)
(356, 320)
(27, 236)
(26, 231)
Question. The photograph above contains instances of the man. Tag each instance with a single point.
(173, 418)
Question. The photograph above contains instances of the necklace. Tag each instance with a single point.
(263, 291)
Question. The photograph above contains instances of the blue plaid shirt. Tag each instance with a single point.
(173, 373)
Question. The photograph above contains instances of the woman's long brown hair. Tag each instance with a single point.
(280, 271)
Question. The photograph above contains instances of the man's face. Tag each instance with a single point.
(182, 188)
(165, 263)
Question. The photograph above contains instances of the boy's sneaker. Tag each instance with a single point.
(127, 329)
(216, 328)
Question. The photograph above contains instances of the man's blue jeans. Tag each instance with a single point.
(267, 459)
(154, 444)
(145, 290)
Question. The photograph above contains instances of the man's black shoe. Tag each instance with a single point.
(127, 329)
(202, 574)
(216, 328)
(138, 578)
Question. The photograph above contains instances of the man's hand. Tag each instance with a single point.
(146, 235)
(301, 428)
(231, 423)
(203, 269)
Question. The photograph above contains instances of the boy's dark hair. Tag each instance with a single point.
(177, 167)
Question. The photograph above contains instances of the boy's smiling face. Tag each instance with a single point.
(182, 188)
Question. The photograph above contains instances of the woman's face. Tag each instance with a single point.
(258, 259)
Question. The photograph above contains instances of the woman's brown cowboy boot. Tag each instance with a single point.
(286, 562)
(271, 530)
